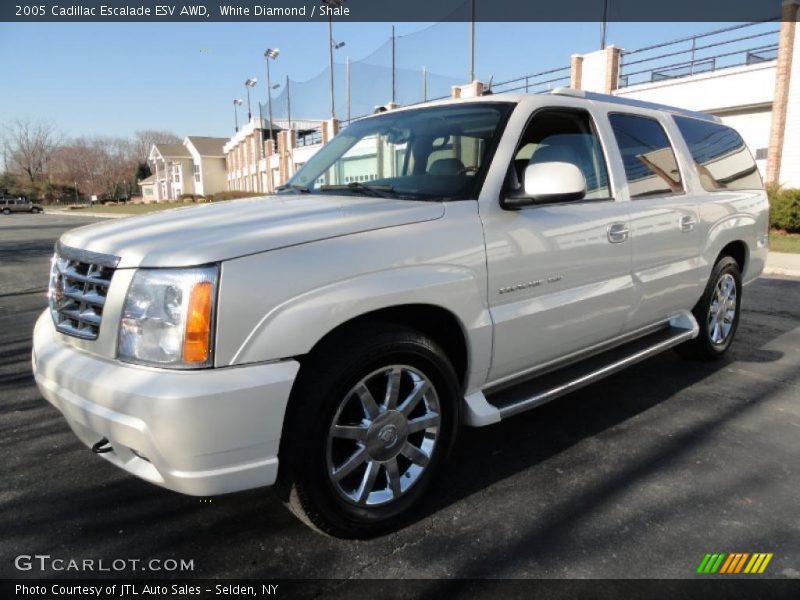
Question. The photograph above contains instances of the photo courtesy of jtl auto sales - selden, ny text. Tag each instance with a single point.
(377, 300)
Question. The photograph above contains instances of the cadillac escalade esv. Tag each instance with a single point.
(449, 264)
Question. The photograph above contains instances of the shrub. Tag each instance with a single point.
(186, 198)
(784, 209)
(233, 195)
(209, 198)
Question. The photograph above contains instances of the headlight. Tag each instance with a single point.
(168, 317)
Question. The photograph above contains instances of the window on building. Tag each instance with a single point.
(196, 169)
(559, 135)
(650, 165)
(720, 156)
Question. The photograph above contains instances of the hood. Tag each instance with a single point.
(208, 233)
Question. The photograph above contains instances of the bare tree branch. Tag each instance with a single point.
(28, 147)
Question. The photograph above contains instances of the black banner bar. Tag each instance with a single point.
(707, 588)
(389, 10)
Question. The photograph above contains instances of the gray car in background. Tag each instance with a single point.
(10, 205)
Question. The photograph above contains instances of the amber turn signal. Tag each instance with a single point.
(197, 338)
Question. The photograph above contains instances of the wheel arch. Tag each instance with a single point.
(436, 322)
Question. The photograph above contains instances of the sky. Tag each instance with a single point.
(115, 78)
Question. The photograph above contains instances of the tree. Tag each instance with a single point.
(28, 147)
(143, 171)
(100, 166)
(145, 138)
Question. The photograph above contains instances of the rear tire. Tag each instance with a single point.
(717, 313)
(384, 397)
(6, 211)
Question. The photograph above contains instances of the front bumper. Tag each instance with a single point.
(199, 432)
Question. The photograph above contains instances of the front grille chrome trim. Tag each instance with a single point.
(79, 283)
(86, 256)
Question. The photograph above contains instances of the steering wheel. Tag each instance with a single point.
(466, 170)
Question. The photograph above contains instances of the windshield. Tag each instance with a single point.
(428, 153)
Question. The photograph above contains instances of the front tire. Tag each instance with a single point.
(717, 313)
(6, 211)
(371, 420)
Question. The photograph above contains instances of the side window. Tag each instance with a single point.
(720, 156)
(559, 135)
(650, 165)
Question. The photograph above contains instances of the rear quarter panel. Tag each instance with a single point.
(734, 216)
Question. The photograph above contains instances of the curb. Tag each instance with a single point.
(781, 272)
(75, 213)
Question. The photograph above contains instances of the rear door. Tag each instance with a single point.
(663, 218)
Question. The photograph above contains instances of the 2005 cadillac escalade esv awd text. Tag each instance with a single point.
(450, 264)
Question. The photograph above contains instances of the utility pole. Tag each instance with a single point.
(348, 90)
(288, 104)
(604, 27)
(472, 42)
(330, 63)
(393, 68)
(424, 84)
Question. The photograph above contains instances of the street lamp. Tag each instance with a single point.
(270, 54)
(250, 83)
(332, 45)
(236, 103)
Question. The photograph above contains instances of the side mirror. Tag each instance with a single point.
(548, 182)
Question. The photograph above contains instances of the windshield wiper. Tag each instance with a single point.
(294, 187)
(379, 191)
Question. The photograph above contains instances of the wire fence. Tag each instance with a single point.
(396, 71)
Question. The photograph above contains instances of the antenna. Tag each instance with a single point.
(487, 91)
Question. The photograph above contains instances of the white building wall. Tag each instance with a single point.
(593, 71)
(213, 176)
(790, 161)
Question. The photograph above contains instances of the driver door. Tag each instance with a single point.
(559, 272)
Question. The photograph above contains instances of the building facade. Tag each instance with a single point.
(196, 166)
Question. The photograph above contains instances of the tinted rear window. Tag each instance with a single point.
(650, 165)
(720, 156)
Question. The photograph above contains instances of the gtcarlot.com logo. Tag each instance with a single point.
(45, 562)
(734, 563)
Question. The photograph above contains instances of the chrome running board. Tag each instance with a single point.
(537, 391)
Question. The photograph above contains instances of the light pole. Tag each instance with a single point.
(236, 104)
(472, 42)
(250, 83)
(288, 104)
(604, 27)
(270, 54)
(332, 45)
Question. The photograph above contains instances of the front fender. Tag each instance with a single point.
(294, 327)
(280, 304)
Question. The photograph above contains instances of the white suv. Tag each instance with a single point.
(453, 263)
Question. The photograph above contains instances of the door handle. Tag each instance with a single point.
(618, 233)
(687, 223)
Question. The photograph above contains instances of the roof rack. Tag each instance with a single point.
(567, 91)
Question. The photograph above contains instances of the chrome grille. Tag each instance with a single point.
(79, 282)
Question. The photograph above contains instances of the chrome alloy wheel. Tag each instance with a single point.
(722, 311)
(383, 435)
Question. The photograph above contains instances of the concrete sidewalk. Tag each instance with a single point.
(783, 263)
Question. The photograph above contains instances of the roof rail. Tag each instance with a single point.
(567, 91)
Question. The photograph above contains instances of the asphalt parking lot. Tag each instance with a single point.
(637, 476)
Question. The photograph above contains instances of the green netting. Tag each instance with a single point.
(427, 63)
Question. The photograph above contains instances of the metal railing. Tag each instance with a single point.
(700, 53)
(543, 81)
